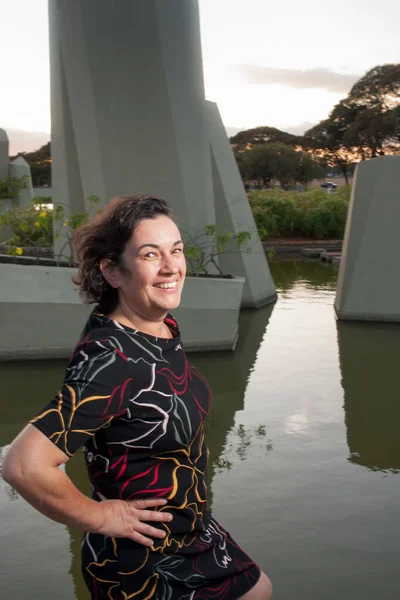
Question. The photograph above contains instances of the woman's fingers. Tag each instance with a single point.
(148, 503)
(152, 515)
(146, 529)
(141, 539)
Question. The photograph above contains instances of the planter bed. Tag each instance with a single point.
(42, 316)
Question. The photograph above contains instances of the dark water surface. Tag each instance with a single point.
(305, 453)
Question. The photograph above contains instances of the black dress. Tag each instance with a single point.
(137, 407)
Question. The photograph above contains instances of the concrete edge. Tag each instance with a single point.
(262, 302)
(344, 315)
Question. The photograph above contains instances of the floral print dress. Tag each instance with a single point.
(137, 407)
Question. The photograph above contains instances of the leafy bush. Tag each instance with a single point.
(31, 226)
(38, 225)
(314, 214)
(202, 249)
(11, 186)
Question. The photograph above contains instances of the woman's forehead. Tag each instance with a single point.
(156, 231)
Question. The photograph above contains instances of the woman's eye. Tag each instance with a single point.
(150, 255)
(178, 250)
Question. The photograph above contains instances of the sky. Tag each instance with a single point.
(284, 64)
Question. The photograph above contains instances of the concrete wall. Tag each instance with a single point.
(41, 314)
(368, 283)
(46, 192)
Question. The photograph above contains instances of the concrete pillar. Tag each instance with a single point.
(20, 168)
(368, 284)
(128, 104)
(129, 116)
(233, 213)
(3, 154)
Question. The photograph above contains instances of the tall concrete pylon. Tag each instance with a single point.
(129, 112)
(233, 213)
(4, 168)
(368, 283)
(20, 168)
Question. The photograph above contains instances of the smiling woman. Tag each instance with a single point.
(136, 405)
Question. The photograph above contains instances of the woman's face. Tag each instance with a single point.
(153, 268)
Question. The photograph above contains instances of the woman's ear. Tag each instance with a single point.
(110, 272)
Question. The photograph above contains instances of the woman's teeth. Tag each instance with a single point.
(166, 286)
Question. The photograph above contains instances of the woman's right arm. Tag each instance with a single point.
(31, 466)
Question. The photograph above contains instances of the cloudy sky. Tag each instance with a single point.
(283, 64)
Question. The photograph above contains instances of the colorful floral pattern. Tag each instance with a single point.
(137, 407)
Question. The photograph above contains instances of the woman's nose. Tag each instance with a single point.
(169, 265)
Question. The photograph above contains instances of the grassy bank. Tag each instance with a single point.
(311, 214)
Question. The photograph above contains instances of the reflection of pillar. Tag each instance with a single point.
(369, 360)
(129, 116)
(227, 375)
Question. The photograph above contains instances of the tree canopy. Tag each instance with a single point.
(363, 125)
(261, 135)
(271, 161)
(40, 164)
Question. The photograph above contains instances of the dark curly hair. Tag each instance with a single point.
(106, 236)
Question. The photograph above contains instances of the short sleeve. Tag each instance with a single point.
(96, 390)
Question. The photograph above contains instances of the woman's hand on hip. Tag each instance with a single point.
(129, 519)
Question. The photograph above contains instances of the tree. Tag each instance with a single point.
(40, 164)
(325, 143)
(378, 89)
(363, 125)
(261, 135)
(275, 161)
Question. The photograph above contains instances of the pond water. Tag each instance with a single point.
(305, 453)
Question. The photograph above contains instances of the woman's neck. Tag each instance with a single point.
(128, 317)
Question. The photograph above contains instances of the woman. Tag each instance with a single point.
(136, 405)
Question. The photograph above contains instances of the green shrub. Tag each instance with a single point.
(31, 226)
(314, 213)
(38, 225)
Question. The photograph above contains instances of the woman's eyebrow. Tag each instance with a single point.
(156, 246)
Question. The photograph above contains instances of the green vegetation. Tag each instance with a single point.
(40, 164)
(311, 214)
(37, 226)
(202, 249)
(11, 187)
(273, 161)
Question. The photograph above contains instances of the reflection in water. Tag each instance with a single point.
(370, 359)
(313, 274)
(241, 444)
(6, 489)
(227, 375)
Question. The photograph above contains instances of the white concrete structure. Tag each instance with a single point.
(233, 213)
(44, 192)
(4, 145)
(369, 284)
(42, 316)
(19, 168)
(129, 116)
